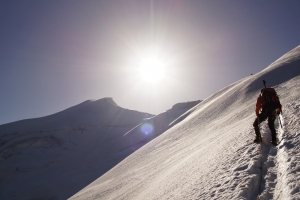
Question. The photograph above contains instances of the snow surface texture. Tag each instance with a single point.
(211, 155)
(54, 157)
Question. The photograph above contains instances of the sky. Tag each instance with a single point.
(57, 54)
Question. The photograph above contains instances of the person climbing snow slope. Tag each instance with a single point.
(269, 104)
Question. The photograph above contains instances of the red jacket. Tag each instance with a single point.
(258, 104)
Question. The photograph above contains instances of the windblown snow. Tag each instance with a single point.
(211, 154)
(196, 150)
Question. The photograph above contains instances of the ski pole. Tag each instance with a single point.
(258, 122)
(279, 120)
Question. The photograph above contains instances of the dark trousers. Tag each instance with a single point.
(262, 117)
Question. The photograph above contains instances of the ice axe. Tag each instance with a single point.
(264, 83)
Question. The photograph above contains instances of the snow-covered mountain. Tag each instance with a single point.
(94, 113)
(53, 157)
(210, 154)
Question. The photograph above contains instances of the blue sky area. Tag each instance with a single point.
(56, 54)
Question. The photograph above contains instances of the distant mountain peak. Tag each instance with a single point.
(91, 112)
(106, 100)
(183, 105)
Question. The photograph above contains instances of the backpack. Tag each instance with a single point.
(269, 99)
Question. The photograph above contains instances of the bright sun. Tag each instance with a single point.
(151, 70)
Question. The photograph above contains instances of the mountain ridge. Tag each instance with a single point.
(90, 112)
(72, 155)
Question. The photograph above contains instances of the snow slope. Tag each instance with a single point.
(211, 155)
(53, 157)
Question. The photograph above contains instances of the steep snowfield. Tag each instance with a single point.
(53, 157)
(211, 155)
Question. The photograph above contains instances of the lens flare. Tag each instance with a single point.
(147, 128)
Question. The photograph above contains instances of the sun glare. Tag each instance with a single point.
(151, 70)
